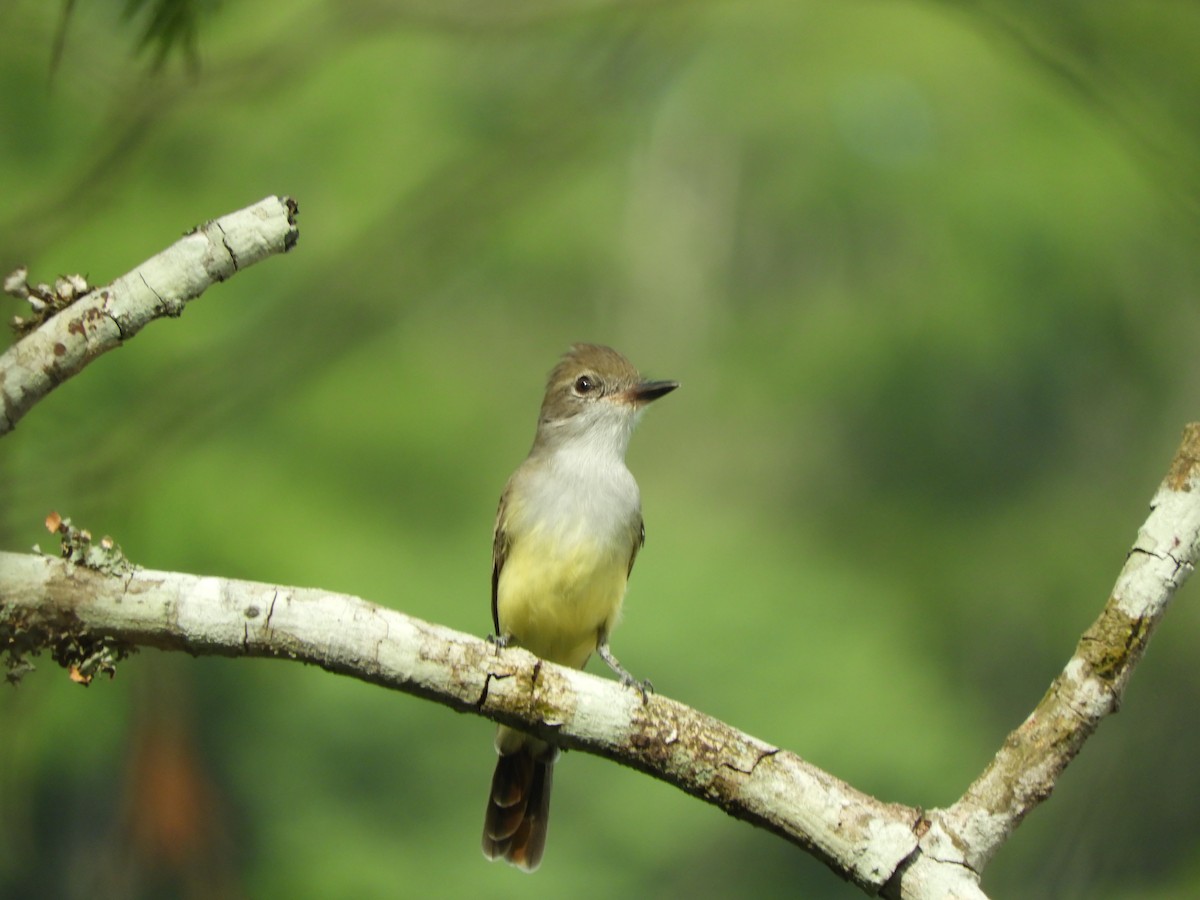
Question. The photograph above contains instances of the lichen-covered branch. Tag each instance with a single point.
(92, 321)
(90, 610)
(1090, 687)
(81, 615)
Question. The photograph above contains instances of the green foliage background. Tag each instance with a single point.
(927, 272)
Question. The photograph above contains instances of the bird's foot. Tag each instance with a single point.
(644, 686)
(501, 641)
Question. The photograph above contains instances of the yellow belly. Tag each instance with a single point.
(554, 598)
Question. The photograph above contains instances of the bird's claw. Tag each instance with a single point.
(644, 686)
(500, 641)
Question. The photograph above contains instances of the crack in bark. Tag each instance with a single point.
(765, 754)
(163, 305)
(225, 243)
(105, 297)
(762, 755)
(487, 686)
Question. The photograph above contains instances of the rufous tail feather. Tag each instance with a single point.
(518, 809)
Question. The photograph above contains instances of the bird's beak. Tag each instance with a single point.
(650, 390)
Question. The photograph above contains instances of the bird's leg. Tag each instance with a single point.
(627, 679)
(501, 641)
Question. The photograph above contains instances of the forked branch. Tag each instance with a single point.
(90, 609)
(81, 614)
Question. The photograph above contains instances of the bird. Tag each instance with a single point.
(568, 530)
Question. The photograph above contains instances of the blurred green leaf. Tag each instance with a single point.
(169, 26)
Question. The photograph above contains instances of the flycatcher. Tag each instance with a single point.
(567, 533)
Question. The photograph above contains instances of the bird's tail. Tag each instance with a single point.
(518, 808)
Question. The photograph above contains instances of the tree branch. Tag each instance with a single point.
(88, 619)
(103, 318)
(81, 615)
(90, 610)
(1026, 768)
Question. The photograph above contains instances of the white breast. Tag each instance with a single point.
(579, 492)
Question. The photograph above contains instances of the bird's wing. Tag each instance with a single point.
(638, 543)
(499, 554)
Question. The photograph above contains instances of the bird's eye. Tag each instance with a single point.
(584, 384)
